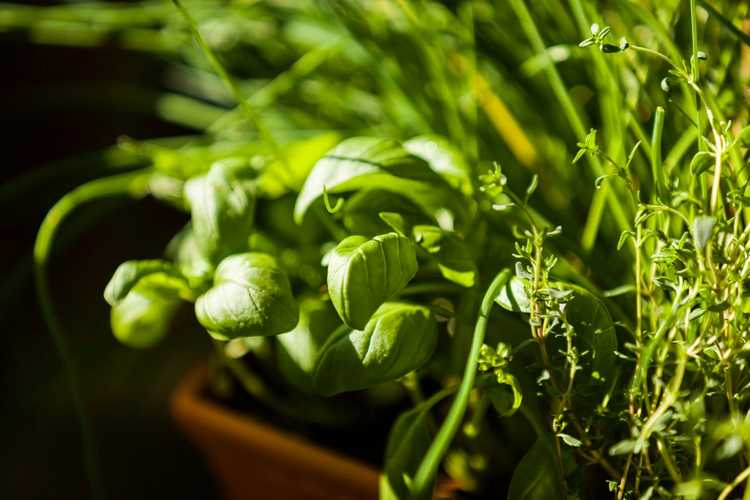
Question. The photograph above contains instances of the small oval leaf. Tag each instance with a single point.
(398, 339)
(363, 273)
(513, 296)
(251, 296)
(143, 316)
(129, 273)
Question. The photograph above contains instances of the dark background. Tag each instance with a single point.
(58, 103)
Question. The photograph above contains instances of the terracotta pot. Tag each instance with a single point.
(254, 461)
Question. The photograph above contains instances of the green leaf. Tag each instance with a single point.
(452, 255)
(363, 273)
(408, 441)
(626, 446)
(398, 338)
(513, 296)
(278, 178)
(374, 163)
(703, 226)
(396, 222)
(361, 212)
(701, 162)
(570, 440)
(251, 296)
(299, 349)
(505, 402)
(536, 476)
(222, 207)
(189, 258)
(531, 188)
(444, 159)
(593, 325)
(159, 273)
(143, 316)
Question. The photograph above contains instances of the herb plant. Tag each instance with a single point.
(507, 280)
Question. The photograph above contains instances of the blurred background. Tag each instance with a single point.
(62, 105)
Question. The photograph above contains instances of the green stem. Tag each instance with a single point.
(657, 171)
(694, 69)
(126, 184)
(431, 461)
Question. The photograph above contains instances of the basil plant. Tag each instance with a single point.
(362, 262)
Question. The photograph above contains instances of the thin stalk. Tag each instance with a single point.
(745, 474)
(695, 70)
(126, 184)
(431, 461)
(657, 170)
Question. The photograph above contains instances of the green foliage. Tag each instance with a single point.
(370, 162)
(363, 273)
(142, 318)
(535, 477)
(299, 349)
(251, 296)
(361, 169)
(397, 339)
(409, 439)
(221, 209)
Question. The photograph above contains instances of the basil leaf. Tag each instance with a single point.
(398, 338)
(298, 349)
(444, 159)
(279, 178)
(408, 441)
(363, 273)
(251, 296)
(453, 257)
(372, 162)
(361, 212)
(536, 475)
(189, 258)
(221, 206)
(143, 316)
(159, 273)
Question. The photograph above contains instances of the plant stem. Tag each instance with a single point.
(657, 171)
(694, 69)
(431, 461)
(745, 474)
(125, 184)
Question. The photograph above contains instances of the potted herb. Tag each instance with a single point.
(348, 280)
